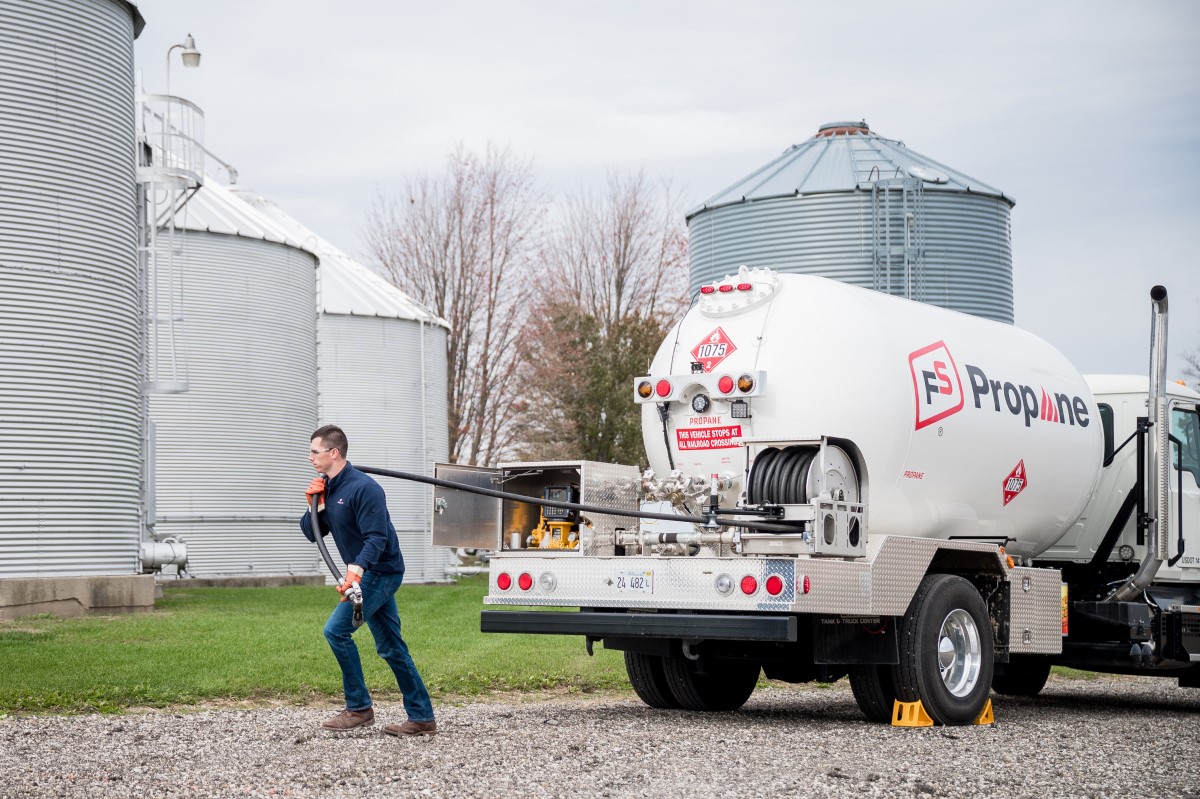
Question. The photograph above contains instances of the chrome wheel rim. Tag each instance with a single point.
(960, 653)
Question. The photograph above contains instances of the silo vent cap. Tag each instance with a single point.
(843, 129)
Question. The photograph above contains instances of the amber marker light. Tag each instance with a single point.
(745, 384)
(645, 389)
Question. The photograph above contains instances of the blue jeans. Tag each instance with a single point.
(381, 615)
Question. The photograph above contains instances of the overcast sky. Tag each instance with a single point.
(1085, 112)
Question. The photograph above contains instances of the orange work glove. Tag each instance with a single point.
(353, 578)
(316, 489)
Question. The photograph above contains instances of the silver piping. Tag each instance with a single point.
(1157, 486)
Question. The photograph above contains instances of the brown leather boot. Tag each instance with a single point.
(349, 719)
(412, 728)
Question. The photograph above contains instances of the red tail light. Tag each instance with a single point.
(749, 585)
(503, 581)
(525, 582)
(663, 388)
(774, 585)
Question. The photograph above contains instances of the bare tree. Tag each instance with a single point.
(616, 272)
(1192, 359)
(622, 252)
(462, 245)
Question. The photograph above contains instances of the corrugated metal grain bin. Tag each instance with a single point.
(230, 451)
(851, 205)
(381, 365)
(70, 334)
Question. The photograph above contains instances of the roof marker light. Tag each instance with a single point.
(745, 287)
(707, 290)
(725, 288)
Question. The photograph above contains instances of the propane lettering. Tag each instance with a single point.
(1022, 400)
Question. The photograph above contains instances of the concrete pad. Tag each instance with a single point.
(76, 596)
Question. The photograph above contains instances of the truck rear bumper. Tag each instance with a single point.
(691, 626)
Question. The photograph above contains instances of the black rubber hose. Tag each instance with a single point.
(553, 503)
(337, 574)
(664, 413)
(320, 536)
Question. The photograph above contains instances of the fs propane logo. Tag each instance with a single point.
(938, 390)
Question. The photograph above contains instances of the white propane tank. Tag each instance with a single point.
(965, 427)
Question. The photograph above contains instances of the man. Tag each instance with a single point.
(352, 506)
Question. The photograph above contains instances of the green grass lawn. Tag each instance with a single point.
(206, 644)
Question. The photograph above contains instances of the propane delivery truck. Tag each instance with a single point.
(844, 482)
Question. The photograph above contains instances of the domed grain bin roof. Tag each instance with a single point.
(219, 209)
(344, 285)
(843, 156)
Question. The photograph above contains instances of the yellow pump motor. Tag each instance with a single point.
(554, 526)
(553, 535)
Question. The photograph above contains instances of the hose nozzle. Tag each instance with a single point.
(356, 598)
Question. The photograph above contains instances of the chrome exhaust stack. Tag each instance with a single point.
(1157, 486)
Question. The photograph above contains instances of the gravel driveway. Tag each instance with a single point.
(1108, 737)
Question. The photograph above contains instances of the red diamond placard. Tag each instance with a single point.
(715, 348)
(1015, 482)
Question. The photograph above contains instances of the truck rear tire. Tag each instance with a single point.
(874, 691)
(718, 685)
(649, 680)
(946, 657)
(1025, 675)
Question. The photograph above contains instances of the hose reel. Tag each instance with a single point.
(793, 476)
(822, 477)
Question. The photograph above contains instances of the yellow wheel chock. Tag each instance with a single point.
(910, 714)
(913, 714)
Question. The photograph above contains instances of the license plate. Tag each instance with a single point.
(634, 582)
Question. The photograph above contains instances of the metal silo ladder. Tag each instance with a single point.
(898, 233)
(170, 172)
